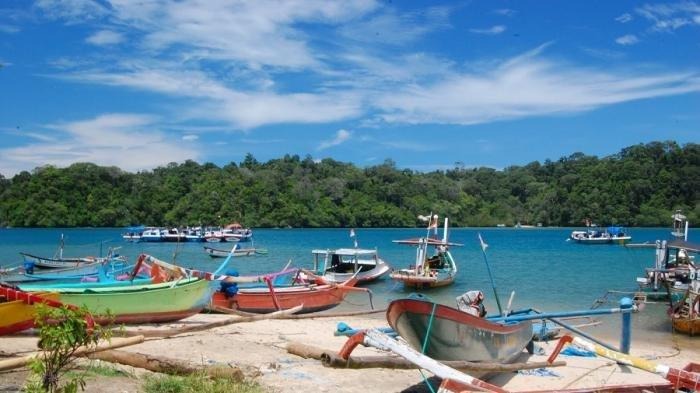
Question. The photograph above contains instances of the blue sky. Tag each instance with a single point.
(140, 83)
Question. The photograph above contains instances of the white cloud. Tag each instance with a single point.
(340, 137)
(202, 56)
(494, 30)
(670, 16)
(629, 39)
(129, 141)
(624, 18)
(190, 137)
(392, 28)
(525, 86)
(105, 37)
(72, 11)
(254, 33)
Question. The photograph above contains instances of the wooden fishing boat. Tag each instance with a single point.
(263, 293)
(267, 298)
(239, 252)
(69, 274)
(148, 303)
(688, 324)
(18, 312)
(59, 261)
(446, 333)
(341, 264)
(162, 298)
(671, 274)
(437, 270)
(685, 314)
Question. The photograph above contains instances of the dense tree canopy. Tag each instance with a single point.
(642, 185)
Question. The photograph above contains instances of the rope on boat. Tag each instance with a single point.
(430, 326)
(426, 381)
(425, 345)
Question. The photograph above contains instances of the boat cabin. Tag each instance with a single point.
(345, 260)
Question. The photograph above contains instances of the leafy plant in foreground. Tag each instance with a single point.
(62, 333)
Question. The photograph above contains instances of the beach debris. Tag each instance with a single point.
(575, 351)
(540, 372)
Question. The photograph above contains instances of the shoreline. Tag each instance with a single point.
(259, 348)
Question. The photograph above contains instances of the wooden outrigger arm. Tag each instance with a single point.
(377, 339)
(679, 378)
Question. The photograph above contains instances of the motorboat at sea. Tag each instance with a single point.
(610, 235)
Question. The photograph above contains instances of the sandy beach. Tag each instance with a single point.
(259, 348)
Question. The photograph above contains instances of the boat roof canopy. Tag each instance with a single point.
(616, 230)
(692, 247)
(346, 251)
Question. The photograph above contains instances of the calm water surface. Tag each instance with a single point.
(545, 271)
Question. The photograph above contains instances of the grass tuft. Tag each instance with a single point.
(197, 383)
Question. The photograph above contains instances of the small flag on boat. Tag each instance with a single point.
(483, 244)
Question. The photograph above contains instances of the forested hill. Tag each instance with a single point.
(642, 185)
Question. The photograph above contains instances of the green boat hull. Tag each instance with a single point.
(152, 303)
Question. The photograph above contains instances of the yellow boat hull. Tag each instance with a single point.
(17, 315)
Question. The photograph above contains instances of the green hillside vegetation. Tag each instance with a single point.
(642, 185)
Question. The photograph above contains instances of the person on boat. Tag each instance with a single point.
(472, 303)
(683, 258)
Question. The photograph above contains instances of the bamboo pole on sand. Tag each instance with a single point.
(10, 364)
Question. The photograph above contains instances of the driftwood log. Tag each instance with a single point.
(331, 359)
(10, 364)
(161, 364)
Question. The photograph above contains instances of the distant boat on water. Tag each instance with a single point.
(613, 234)
(437, 270)
(59, 261)
(239, 252)
(233, 232)
(160, 234)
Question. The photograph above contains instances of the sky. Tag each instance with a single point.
(138, 84)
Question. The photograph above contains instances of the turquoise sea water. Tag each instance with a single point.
(545, 271)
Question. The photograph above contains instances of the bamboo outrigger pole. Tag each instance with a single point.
(488, 268)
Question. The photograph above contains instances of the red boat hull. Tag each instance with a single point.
(262, 301)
